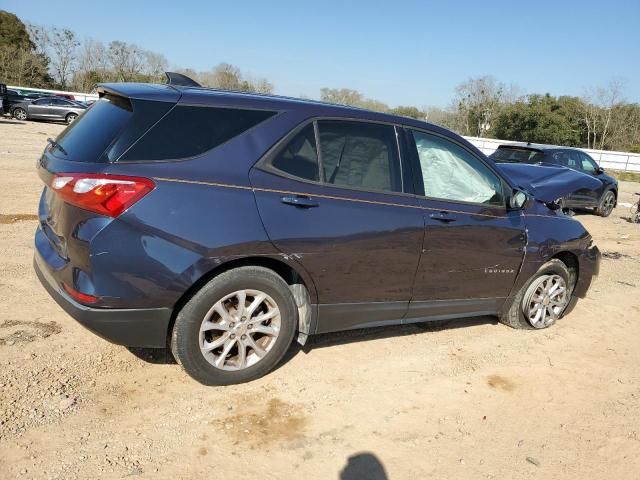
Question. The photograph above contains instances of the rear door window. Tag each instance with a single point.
(360, 154)
(188, 131)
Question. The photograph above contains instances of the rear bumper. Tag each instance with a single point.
(145, 327)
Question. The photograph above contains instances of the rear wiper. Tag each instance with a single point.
(55, 144)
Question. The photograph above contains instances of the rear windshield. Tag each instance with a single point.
(517, 155)
(187, 131)
(86, 139)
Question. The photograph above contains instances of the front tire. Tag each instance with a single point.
(607, 204)
(543, 299)
(236, 328)
(71, 117)
(20, 114)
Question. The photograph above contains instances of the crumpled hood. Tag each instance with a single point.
(547, 183)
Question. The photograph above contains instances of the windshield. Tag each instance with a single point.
(517, 155)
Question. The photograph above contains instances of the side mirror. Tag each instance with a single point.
(518, 200)
(599, 170)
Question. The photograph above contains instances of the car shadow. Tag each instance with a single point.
(163, 356)
(155, 356)
(11, 122)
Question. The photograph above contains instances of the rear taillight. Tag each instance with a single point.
(100, 193)
(79, 296)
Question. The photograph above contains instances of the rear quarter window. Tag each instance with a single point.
(188, 131)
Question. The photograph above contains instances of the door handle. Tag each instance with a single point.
(444, 217)
(301, 201)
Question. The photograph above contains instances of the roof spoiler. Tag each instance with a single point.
(180, 80)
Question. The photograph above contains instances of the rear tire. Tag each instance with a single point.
(607, 204)
(19, 114)
(524, 301)
(70, 118)
(198, 323)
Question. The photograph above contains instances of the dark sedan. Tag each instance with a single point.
(48, 108)
(602, 198)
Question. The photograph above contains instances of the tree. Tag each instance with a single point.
(155, 64)
(20, 63)
(226, 76)
(538, 119)
(407, 111)
(13, 32)
(477, 102)
(599, 106)
(126, 60)
(347, 96)
(341, 96)
(64, 47)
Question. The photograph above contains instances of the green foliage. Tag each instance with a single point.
(20, 63)
(13, 32)
(539, 119)
(407, 111)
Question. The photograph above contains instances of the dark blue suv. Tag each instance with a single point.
(224, 225)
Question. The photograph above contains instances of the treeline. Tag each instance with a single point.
(49, 57)
(39, 56)
(483, 107)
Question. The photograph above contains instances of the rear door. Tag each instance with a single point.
(40, 108)
(59, 108)
(473, 246)
(331, 196)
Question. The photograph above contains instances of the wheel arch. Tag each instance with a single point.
(299, 282)
(572, 262)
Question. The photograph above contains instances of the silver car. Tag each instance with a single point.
(48, 108)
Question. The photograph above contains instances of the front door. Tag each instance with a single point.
(473, 245)
(343, 216)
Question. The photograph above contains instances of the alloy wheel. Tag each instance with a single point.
(608, 202)
(20, 114)
(545, 300)
(239, 330)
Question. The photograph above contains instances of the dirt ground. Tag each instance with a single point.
(473, 400)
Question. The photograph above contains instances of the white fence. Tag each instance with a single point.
(605, 158)
(82, 97)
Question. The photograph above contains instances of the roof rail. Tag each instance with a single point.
(180, 80)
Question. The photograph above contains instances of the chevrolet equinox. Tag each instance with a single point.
(225, 225)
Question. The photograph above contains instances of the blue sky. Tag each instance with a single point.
(400, 52)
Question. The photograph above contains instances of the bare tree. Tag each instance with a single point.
(40, 38)
(226, 76)
(341, 96)
(477, 102)
(126, 60)
(155, 64)
(600, 105)
(64, 46)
